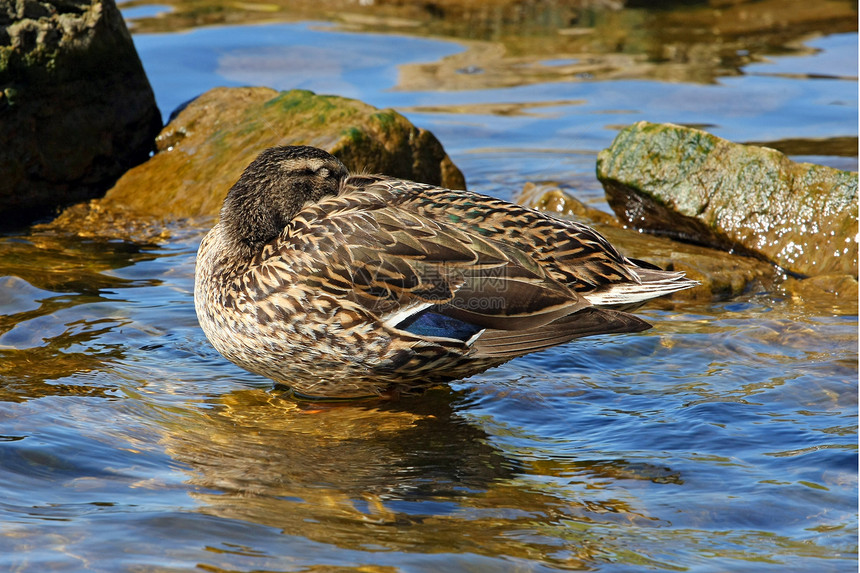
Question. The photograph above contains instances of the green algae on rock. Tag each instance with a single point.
(76, 107)
(690, 184)
(206, 146)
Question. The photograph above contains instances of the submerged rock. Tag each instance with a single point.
(76, 108)
(206, 146)
(824, 294)
(686, 183)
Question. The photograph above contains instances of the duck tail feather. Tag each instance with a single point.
(586, 322)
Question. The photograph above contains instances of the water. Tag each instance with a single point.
(724, 439)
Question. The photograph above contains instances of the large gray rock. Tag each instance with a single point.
(76, 108)
(686, 183)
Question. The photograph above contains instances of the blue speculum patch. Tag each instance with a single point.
(429, 323)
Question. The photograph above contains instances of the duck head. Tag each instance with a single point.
(272, 190)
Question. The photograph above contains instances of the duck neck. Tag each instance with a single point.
(251, 219)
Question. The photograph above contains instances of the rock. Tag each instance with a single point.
(824, 294)
(689, 184)
(544, 197)
(722, 275)
(204, 149)
(76, 108)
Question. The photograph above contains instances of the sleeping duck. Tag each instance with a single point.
(342, 285)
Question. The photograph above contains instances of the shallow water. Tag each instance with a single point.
(724, 439)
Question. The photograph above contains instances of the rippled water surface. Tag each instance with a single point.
(724, 439)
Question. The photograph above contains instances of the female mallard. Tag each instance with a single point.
(342, 286)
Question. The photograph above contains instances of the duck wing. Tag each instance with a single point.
(395, 264)
(569, 252)
(432, 276)
(506, 344)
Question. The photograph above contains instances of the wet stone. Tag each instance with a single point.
(76, 108)
(206, 146)
(689, 184)
(825, 294)
(551, 199)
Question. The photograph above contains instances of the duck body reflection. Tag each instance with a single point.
(409, 475)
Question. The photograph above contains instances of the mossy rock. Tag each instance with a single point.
(690, 184)
(76, 108)
(207, 145)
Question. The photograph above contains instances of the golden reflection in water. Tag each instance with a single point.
(30, 374)
(42, 276)
(68, 263)
(409, 475)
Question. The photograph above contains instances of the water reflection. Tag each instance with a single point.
(58, 301)
(408, 476)
(516, 43)
(68, 263)
(31, 373)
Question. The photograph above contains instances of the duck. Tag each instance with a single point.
(340, 285)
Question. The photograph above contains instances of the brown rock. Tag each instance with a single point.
(76, 108)
(551, 199)
(825, 294)
(205, 148)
